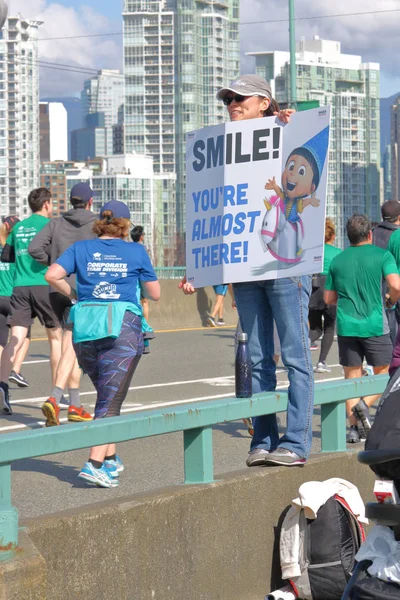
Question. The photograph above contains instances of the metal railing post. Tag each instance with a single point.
(198, 455)
(333, 427)
(8, 515)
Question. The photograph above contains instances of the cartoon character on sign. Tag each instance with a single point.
(282, 229)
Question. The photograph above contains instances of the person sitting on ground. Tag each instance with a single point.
(322, 317)
(354, 283)
(107, 332)
(58, 235)
(30, 295)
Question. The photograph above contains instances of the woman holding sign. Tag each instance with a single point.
(284, 301)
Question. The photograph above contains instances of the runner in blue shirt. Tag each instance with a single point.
(107, 332)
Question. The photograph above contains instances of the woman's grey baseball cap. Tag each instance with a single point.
(247, 85)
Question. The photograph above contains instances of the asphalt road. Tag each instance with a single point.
(184, 366)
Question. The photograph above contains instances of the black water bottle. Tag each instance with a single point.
(243, 368)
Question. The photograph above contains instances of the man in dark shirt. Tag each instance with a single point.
(381, 235)
(390, 211)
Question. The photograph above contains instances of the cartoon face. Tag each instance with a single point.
(297, 178)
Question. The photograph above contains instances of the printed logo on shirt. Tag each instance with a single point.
(107, 291)
(97, 256)
(102, 268)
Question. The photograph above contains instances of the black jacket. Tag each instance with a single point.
(59, 234)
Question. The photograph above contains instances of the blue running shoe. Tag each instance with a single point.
(116, 464)
(99, 477)
(111, 468)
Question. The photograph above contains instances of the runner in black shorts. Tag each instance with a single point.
(30, 296)
(46, 247)
(354, 282)
(7, 272)
(61, 306)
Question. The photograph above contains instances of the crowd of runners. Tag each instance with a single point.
(90, 290)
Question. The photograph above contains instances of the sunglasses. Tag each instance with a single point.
(227, 101)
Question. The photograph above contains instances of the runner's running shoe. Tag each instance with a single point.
(354, 435)
(77, 415)
(5, 399)
(51, 411)
(361, 413)
(99, 477)
(111, 468)
(18, 379)
(114, 467)
(322, 367)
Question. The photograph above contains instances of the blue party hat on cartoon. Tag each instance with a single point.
(318, 147)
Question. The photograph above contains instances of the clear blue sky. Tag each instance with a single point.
(109, 8)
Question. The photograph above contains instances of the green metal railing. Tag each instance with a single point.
(196, 422)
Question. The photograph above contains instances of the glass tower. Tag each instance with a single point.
(177, 54)
(104, 93)
(351, 87)
(19, 115)
(394, 147)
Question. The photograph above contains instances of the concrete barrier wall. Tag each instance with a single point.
(214, 542)
(175, 310)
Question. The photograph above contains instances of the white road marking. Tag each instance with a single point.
(137, 408)
(35, 362)
(223, 381)
(134, 388)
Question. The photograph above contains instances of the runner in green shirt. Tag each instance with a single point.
(330, 252)
(27, 270)
(354, 283)
(7, 272)
(321, 316)
(30, 296)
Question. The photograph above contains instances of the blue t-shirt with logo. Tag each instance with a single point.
(108, 270)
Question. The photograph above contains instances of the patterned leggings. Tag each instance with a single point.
(111, 363)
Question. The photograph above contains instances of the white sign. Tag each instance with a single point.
(255, 199)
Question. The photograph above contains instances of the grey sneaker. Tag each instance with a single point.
(211, 321)
(322, 367)
(361, 413)
(64, 403)
(282, 456)
(354, 436)
(257, 457)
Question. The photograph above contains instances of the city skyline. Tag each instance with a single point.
(102, 17)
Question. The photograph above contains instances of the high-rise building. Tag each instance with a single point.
(104, 93)
(387, 173)
(52, 177)
(19, 114)
(177, 54)
(351, 87)
(91, 142)
(53, 131)
(395, 149)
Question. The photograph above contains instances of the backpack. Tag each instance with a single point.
(385, 431)
(375, 589)
(328, 545)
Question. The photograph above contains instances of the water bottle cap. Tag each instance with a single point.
(242, 337)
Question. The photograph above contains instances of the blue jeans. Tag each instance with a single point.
(286, 300)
